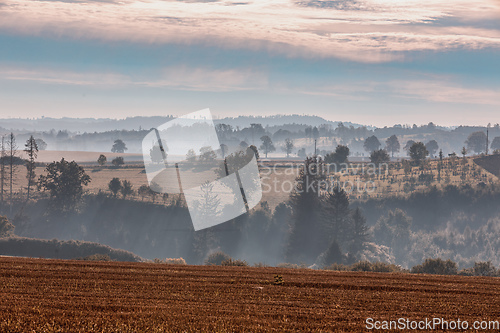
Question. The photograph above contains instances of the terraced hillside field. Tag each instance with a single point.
(76, 296)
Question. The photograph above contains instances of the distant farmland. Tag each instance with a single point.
(74, 296)
(279, 178)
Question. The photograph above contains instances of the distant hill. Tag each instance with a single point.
(81, 125)
(279, 120)
(489, 163)
(91, 125)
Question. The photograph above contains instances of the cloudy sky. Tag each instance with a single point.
(377, 62)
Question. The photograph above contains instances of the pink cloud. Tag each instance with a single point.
(374, 32)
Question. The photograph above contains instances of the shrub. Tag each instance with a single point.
(366, 266)
(32, 247)
(362, 266)
(217, 258)
(96, 257)
(466, 272)
(260, 265)
(436, 266)
(426, 178)
(484, 269)
(175, 261)
(170, 261)
(293, 266)
(118, 161)
(6, 228)
(383, 267)
(234, 262)
(337, 267)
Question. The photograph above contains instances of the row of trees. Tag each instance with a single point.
(63, 179)
(476, 142)
(417, 151)
(117, 161)
(392, 145)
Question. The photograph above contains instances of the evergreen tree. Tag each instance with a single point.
(332, 255)
(205, 239)
(3, 159)
(304, 241)
(359, 236)
(31, 149)
(127, 189)
(336, 217)
(371, 144)
(12, 151)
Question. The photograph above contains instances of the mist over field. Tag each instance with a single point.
(408, 208)
(249, 166)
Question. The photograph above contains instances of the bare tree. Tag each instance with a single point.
(288, 147)
(3, 157)
(12, 151)
(31, 149)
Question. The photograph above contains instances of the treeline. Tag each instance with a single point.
(327, 134)
(435, 266)
(433, 209)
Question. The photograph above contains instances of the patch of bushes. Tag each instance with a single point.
(96, 257)
(260, 265)
(484, 269)
(293, 266)
(466, 272)
(366, 266)
(217, 258)
(362, 266)
(6, 227)
(436, 266)
(234, 262)
(383, 267)
(175, 261)
(337, 267)
(429, 266)
(55, 249)
(170, 261)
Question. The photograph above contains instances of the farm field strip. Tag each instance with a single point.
(278, 179)
(39, 295)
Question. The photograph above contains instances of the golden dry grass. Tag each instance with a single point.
(74, 296)
(277, 181)
(47, 156)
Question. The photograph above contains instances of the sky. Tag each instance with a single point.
(375, 62)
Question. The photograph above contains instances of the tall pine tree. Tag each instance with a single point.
(306, 240)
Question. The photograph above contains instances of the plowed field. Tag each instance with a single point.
(39, 295)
